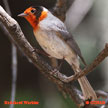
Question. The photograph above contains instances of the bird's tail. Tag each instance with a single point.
(86, 88)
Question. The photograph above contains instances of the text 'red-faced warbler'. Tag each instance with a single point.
(55, 40)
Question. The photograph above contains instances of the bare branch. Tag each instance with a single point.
(61, 8)
(103, 54)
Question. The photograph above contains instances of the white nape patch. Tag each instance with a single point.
(45, 9)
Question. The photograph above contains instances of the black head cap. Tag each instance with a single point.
(38, 11)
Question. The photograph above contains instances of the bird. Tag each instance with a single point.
(54, 38)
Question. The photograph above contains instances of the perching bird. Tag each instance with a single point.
(53, 37)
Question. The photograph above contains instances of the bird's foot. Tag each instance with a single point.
(54, 72)
(60, 65)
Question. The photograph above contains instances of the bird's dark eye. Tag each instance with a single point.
(33, 11)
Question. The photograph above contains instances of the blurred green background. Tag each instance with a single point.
(31, 84)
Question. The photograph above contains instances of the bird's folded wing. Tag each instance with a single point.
(68, 38)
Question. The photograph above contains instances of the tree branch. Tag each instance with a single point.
(61, 8)
(102, 55)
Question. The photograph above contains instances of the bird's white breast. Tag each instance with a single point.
(49, 41)
(52, 44)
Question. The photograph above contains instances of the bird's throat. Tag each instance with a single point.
(32, 20)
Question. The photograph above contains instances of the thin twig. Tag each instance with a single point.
(14, 61)
(102, 55)
(61, 8)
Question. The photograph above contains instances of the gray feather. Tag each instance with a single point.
(54, 25)
(68, 38)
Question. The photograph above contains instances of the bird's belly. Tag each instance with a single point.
(53, 45)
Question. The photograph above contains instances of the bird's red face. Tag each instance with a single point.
(34, 15)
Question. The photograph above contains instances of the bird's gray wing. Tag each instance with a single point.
(68, 38)
(58, 27)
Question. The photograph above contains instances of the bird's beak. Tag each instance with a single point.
(22, 15)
